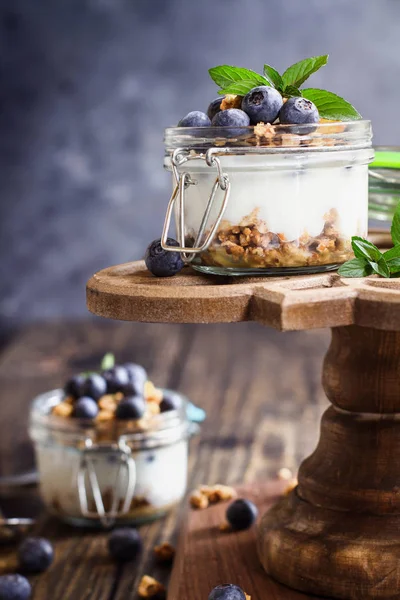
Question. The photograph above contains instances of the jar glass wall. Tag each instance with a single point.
(295, 198)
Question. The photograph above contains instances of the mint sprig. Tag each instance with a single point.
(239, 81)
(107, 362)
(369, 259)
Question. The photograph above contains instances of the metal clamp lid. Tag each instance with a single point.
(182, 182)
(122, 491)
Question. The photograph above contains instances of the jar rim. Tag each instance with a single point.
(163, 424)
(267, 138)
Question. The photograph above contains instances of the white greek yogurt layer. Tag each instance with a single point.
(161, 475)
(290, 193)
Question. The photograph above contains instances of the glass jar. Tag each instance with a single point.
(268, 200)
(384, 184)
(96, 474)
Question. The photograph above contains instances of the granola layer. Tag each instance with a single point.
(251, 244)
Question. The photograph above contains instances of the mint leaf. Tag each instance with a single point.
(290, 91)
(394, 265)
(239, 87)
(356, 267)
(108, 361)
(392, 253)
(225, 75)
(380, 267)
(395, 229)
(331, 106)
(300, 71)
(364, 249)
(273, 77)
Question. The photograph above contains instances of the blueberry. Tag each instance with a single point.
(299, 111)
(214, 107)
(262, 104)
(85, 408)
(232, 118)
(241, 514)
(116, 378)
(35, 554)
(75, 386)
(132, 407)
(163, 263)
(124, 544)
(95, 386)
(14, 587)
(135, 371)
(196, 118)
(170, 401)
(227, 591)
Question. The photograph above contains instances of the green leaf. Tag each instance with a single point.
(380, 267)
(290, 91)
(364, 249)
(357, 267)
(273, 77)
(239, 87)
(392, 253)
(108, 361)
(394, 265)
(225, 75)
(331, 106)
(300, 71)
(395, 229)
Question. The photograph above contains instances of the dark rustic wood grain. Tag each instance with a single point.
(261, 391)
(208, 557)
(337, 533)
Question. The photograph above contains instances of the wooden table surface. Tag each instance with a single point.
(261, 390)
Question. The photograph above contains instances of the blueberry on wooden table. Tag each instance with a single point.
(85, 408)
(241, 514)
(132, 407)
(196, 118)
(227, 591)
(214, 107)
(95, 386)
(163, 263)
(124, 544)
(35, 555)
(262, 103)
(14, 587)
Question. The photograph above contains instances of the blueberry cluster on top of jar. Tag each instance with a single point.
(122, 392)
(262, 104)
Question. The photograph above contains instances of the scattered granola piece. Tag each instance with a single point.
(198, 500)
(165, 552)
(218, 493)
(64, 409)
(225, 527)
(151, 588)
(247, 596)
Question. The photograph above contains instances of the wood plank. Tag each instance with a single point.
(208, 557)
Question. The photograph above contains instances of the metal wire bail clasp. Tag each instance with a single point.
(182, 181)
(118, 457)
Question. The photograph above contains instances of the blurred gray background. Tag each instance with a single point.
(87, 87)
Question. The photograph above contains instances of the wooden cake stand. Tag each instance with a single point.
(338, 533)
